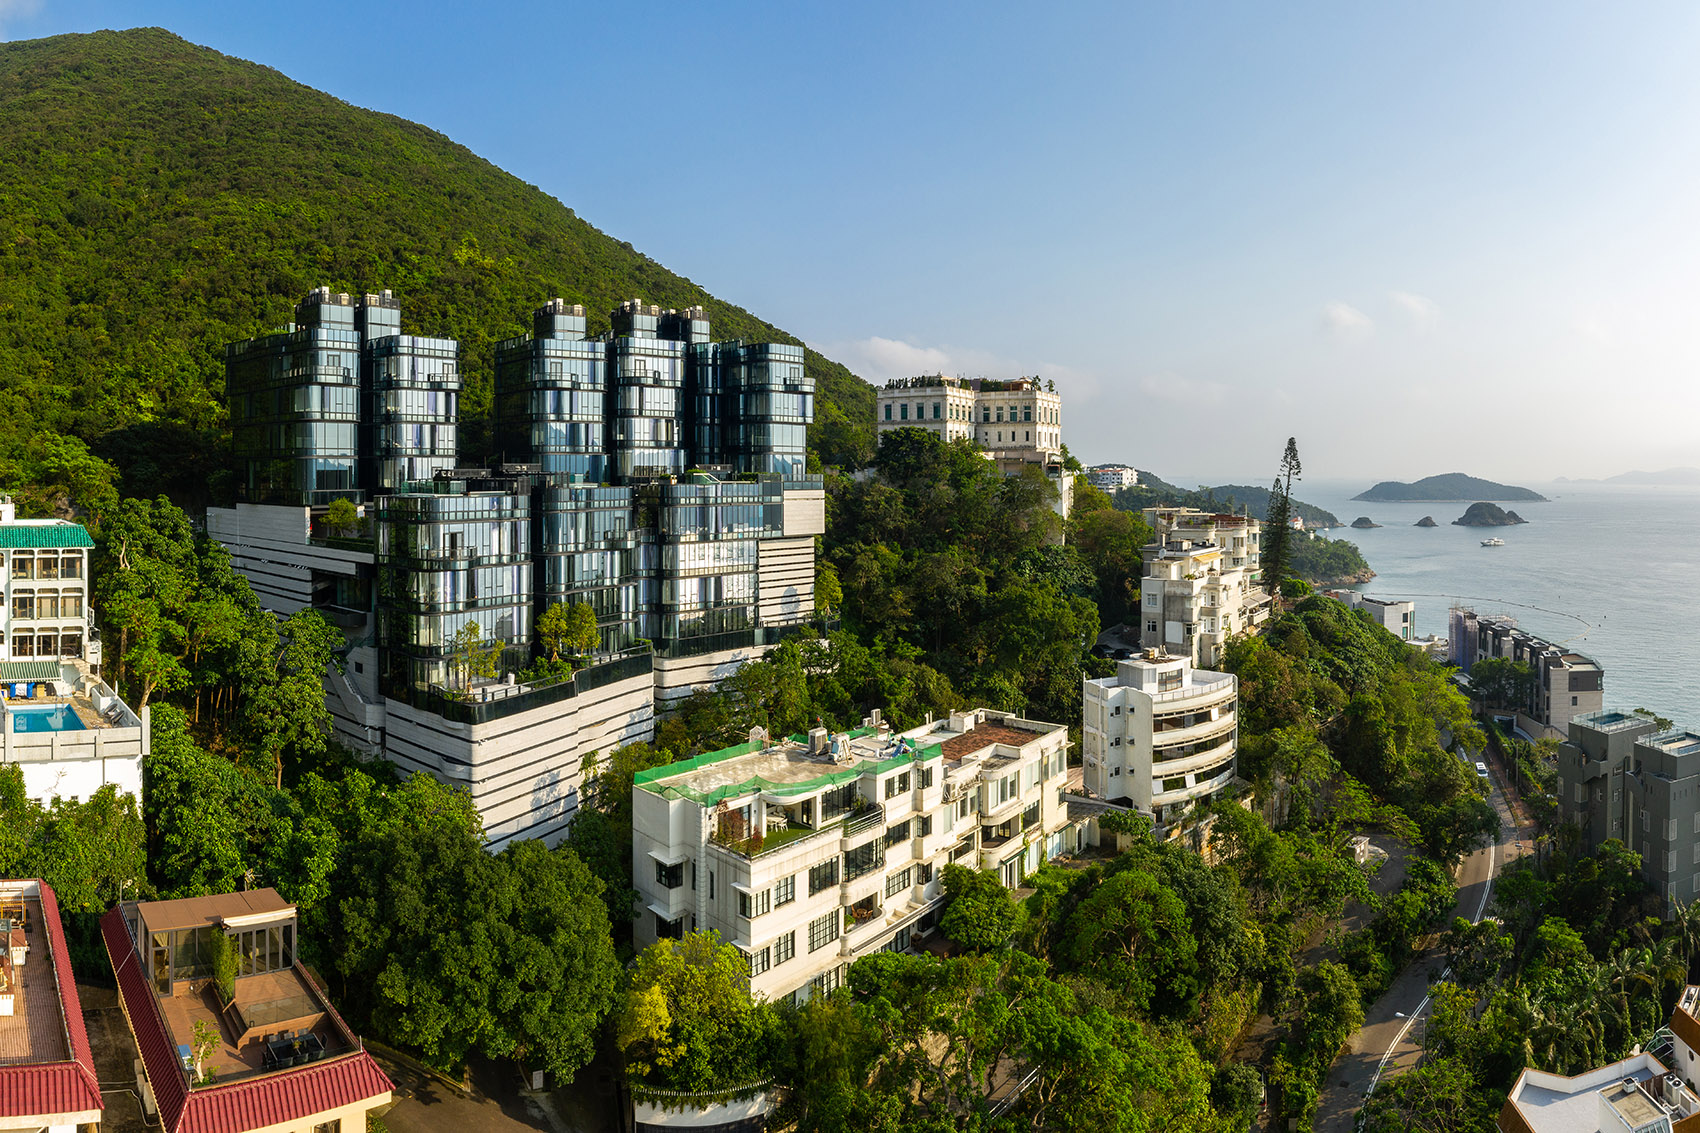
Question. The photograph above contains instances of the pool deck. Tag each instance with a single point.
(81, 705)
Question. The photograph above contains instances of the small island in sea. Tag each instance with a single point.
(1447, 486)
(1426, 521)
(1487, 515)
(1363, 522)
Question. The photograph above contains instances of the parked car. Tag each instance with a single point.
(1481, 769)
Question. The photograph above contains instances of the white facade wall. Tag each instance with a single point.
(76, 764)
(947, 806)
(1201, 583)
(997, 420)
(1160, 735)
(22, 613)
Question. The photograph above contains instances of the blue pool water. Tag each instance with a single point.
(56, 719)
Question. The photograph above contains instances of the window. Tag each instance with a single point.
(669, 876)
(863, 860)
(896, 785)
(926, 825)
(926, 777)
(888, 411)
(897, 833)
(898, 882)
(332, 1126)
(23, 566)
(935, 411)
(824, 930)
(1151, 627)
(823, 876)
(1027, 413)
(784, 948)
(669, 930)
(759, 962)
(903, 411)
(753, 904)
(711, 885)
(785, 890)
(1573, 702)
(926, 874)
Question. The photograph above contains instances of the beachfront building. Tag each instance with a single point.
(1398, 618)
(275, 1057)
(48, 1080)
(1160, 736)
(809, 852)
(1018, 424)
(1620, 776)
(1566, 683)
(1201, 582)
(1112, 478)
(1651, 1091)
(647, 473)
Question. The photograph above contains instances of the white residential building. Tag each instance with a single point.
(1397, 618)
(1112, 478)
(1016, 423)
(807, 854)
(64, 727)
(1202, 582)
(1160, 736)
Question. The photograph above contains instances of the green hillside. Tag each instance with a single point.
(1447, 486)
(158, 199)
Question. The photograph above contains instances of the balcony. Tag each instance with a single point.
(1197, 761)
(866, 817)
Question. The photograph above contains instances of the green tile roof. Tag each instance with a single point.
(29, 671)
(24, 536)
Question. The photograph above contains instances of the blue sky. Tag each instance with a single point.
(1449, 236)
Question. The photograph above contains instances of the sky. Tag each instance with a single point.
(1418, 238)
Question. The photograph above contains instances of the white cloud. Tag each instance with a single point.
(880, 359)
(1172, 388)
(1342, 320)
(1425, 312)
(16, 10)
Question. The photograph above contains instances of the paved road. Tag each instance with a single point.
(1393, 1026)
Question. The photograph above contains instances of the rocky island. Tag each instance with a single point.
(1364, 522)
(1448, 486)
(1426, 521)
(1487, 515)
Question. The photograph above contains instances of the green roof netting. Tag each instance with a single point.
(656, 778)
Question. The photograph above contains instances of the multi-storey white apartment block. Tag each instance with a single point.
(809, 852)
(1201, 583)
(1160, 736)
(46, 614)
(1112, 478)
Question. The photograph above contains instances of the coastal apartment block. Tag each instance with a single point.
(1112, 478)
(1398, 618)
(1160, 736)
(648, 473)
(66, 729)
(1567, 684)
(264, 1053)
(1201, 583)
(810, 851)
(1620, 777)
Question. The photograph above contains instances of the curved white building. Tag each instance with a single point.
(1159, 736)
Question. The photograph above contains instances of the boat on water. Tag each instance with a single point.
(1493, 541)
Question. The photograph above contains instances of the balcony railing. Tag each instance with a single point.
(861, 820)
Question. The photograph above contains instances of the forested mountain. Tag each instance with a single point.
(158, 199)
(1447, 486)
(1153, 491)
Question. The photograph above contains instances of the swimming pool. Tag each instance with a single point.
(59, 718)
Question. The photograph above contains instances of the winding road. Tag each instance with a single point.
(1390, 1041)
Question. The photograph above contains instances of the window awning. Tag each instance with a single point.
(664, 913)
(669, 859)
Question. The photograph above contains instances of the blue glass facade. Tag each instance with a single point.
(589, 501)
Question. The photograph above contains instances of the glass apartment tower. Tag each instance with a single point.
(638, 472)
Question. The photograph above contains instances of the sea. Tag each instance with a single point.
(1611, 571)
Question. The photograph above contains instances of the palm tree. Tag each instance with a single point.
(1684, 929)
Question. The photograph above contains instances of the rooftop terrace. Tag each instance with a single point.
(35, 1029)
(1612, 720)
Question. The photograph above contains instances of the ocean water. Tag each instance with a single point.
(1610, 571)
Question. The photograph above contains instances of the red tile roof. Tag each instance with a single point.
(287, 1095)
(44, 1088)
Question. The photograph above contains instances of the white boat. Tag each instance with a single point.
(1493, 541)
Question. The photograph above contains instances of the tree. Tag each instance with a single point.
(1277, 535)
(1502, 682)
(569, 626)
(341, 516)
(979, 912)
(686, 1021)
(282, 681)
(471, 654)
(1134, 933)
